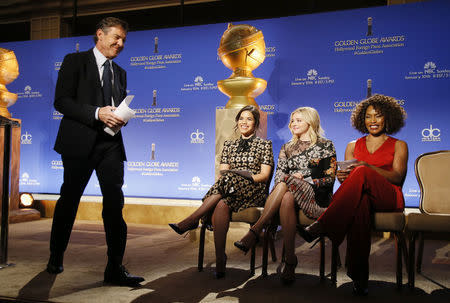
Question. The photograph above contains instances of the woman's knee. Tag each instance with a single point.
(221, 214)
(281, 186)
(361, 172)
(288, 200)
(221, 207)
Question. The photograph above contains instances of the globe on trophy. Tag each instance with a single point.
(242, 49)
(9, 71)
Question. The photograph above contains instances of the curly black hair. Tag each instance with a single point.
(394, 114)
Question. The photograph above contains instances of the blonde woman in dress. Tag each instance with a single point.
(304, 180)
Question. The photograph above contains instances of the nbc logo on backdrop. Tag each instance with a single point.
(199, 84)
(25, 177)
(196, 181)
(429, 67)
(198, 81)
(26, 180)
(312, 74)
(28, 92)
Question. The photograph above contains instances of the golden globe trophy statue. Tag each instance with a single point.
(9, 71)
(242, 49)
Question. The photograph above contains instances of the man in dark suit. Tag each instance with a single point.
(88, 89)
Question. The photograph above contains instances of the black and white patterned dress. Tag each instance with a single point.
(318, 162)
(239, 192)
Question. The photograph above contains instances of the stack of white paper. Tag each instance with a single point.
(343, 165)
(123, 111)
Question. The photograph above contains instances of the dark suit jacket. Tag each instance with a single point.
(77, 95)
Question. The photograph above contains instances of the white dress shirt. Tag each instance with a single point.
(100, 60)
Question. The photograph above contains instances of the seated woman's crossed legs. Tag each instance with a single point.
(191, 222)
(271, 208)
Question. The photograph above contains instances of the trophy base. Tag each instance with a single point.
(4, 112)
(242, 90)
(240, 102)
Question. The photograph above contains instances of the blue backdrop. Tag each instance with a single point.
(321, 60)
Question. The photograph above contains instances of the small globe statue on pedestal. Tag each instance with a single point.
(242, 49)
(9, 71)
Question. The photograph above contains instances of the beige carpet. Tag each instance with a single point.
(168, 262)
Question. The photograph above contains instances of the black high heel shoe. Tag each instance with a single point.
(360, 288)
(221, 274)
(242, 246)
(179, 231)
(286, 278)
(307, 236)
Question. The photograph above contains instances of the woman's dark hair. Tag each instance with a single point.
(253, 110)
(394, 115)
(108, 22)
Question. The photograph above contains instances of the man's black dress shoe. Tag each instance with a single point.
(118, 275)
(55, 265)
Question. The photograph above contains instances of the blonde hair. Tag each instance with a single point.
(310, 116)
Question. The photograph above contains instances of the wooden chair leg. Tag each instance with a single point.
(201, 247)
(269, 239)
(265, 252)
(399, 273)
(272, 246)
(334, 256)
(420, 253)
(252, 260)
(404, 250)
(411, 260)
(322, 259)
(338, 260)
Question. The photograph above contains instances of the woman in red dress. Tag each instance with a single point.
(371, 183)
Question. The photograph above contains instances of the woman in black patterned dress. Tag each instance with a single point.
(245, 168)
(304, 180)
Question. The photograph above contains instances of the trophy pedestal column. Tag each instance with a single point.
(225, 130)
(15, 213)
(242, 91)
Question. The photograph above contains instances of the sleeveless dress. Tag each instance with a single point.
(239, 192)
(383, 158)
(318, 162)
(364, 192)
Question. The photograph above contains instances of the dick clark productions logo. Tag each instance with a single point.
(26, 138)
(431, 134)
(197, 137)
